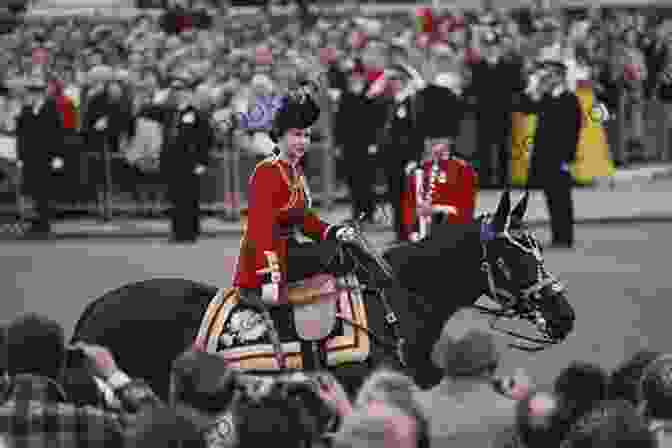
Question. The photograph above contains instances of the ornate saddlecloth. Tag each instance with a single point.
(239, 334)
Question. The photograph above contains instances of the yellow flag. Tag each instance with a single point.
(522, 139)
(592, 154)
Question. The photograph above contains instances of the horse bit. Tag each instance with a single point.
(531, 293)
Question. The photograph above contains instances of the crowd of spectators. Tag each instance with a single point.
(124, 66)
(222, 54)
(79, 396)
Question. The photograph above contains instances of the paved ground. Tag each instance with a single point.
(618, 280)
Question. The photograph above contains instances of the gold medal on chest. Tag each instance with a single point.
(442, 177)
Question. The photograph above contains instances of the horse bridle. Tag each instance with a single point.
(532, 292)
(391, 318)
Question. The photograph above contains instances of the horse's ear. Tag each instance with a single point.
(518, 213)
(501, 219)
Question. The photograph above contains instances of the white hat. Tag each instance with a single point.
(101, 73)
(262, 80)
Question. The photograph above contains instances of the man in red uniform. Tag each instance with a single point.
(279, 207)
(447, 193)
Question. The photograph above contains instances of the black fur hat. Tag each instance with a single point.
(299, 111)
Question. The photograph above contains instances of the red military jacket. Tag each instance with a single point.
(452, 188)
(279, 203)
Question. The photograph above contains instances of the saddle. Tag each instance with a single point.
(314, 306)
(312, 290)
(233, 329)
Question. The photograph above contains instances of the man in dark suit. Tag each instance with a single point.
(187, 141)
(357, 122)
(401, 141)
(495, 81)
(559, 124)
(108, 121)
(39, 138)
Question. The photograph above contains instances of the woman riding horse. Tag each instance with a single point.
(280, 207)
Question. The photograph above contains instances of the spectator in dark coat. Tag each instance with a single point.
(107, 122)
(494, 83)
(555, 144)
(35, 350)
(39, 133)
(188, 139)
(400, 142)
(355, 110)
(656, 54)
(167, 428)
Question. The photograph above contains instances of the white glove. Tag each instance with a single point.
(19, 164)
(346, 234)
(410, 168)
(414, 237)
(200, 169)
(373, 149)
(335, 94)
(101, 124)
(57, 163)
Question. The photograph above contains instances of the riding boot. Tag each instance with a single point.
(251, 298)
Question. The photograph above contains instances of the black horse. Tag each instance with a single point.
(148, 324)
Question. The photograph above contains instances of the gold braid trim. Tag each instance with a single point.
(295, 188)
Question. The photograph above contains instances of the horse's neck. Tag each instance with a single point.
(444, 270)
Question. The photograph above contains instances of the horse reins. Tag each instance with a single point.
(390, 316)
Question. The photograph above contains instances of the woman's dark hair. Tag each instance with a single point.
(281, 417)
(202, 381)
(625, 379)
(35, 345)
(580, 386)
(610, 424)
(656, 388)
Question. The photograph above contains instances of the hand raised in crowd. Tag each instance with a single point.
(200, 169)
(99, 359)
(516, 386)
(57, 163)
(334, 395)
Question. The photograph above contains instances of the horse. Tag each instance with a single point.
(148, 324)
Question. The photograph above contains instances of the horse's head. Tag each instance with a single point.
(517, 274)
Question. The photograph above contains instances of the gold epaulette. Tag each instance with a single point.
(270, 160)
(463, 163)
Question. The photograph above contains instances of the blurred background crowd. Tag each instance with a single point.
(108, 65)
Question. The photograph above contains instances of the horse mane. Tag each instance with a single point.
(450, 258)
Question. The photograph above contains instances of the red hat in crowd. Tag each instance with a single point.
(358, 39)
(263, 55)
(328, 55)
